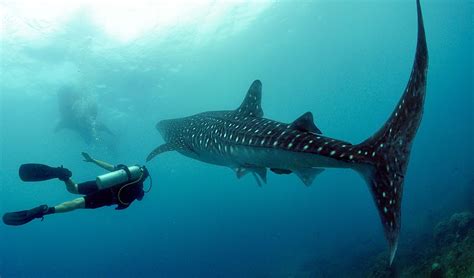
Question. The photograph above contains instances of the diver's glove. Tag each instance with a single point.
(62, 173)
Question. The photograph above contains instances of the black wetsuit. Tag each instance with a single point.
(119, 195)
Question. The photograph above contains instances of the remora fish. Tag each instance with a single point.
(246, 142)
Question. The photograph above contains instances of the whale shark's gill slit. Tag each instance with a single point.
(382, 159)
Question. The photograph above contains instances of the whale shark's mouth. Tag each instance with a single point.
(163, 127)
(168, 129)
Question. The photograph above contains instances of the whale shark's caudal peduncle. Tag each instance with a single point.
(248, 143)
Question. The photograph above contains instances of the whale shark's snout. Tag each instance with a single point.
(168, 128)
(163, 128)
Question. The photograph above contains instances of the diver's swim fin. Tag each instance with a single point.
(22, 217)
(41, 172)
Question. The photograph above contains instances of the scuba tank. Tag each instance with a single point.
(125, 174)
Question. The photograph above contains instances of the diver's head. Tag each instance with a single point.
(144, 176)
(145, 173)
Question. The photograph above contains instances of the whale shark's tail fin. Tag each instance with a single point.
(383, 158)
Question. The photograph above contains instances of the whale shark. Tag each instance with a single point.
(79, 113)
(245, 141)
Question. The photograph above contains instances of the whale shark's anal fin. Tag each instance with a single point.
(307, 175)
(383, 158)
(252, 104)
(160, 149)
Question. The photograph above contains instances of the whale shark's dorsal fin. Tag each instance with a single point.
(306, 123)
(252, 104)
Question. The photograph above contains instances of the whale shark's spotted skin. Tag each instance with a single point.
(223, 132)
(248, 143)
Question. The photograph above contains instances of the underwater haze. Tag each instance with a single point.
(140, 62)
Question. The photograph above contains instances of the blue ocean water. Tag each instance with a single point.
(346, 61)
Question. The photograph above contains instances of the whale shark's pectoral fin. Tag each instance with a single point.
(256, 172)
(252, 104)
(259, 183)
(307, 175)
(306, 123)
(262, 173)
(240, 172)
(160, 149)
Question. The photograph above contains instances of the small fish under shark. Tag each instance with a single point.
(248, 143)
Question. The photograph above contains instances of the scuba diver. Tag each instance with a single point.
(120, 187)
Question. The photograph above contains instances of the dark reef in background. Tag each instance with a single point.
(441, 246)
(448, 253)
(470, 195)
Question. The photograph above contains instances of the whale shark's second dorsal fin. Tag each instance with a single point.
(306, 123)
(252, 104)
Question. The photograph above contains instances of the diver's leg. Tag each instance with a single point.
(68, 206)
(22, 217)
(17, 218)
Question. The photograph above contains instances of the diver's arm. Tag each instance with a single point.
(71, 186)
(105, 165)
